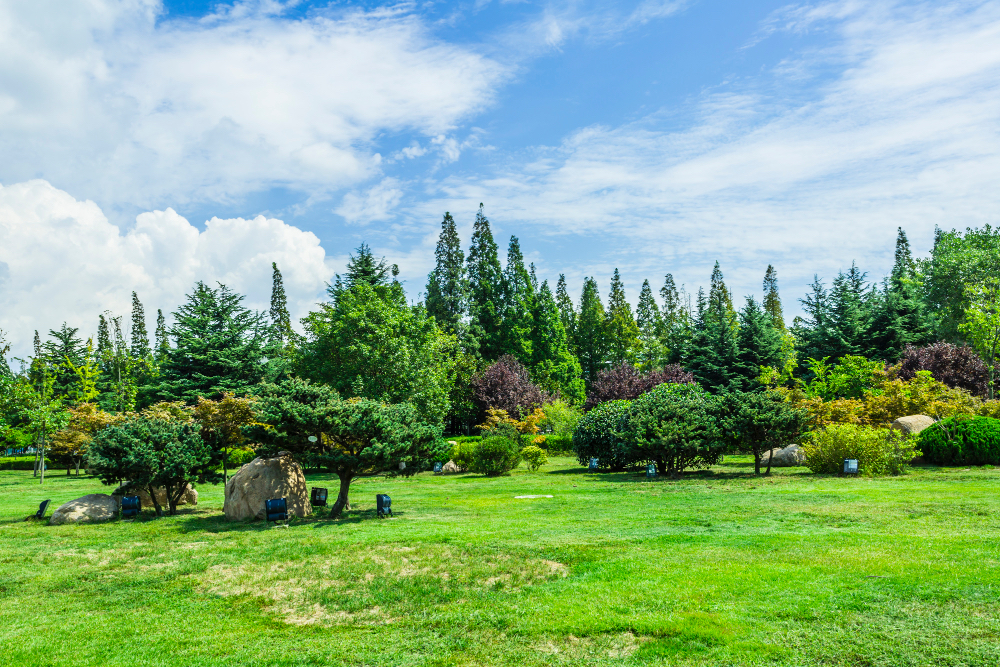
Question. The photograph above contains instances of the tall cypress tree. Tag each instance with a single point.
(486, 299)
(162, 344)
(772, 301)
(518, 304)
(553, 365)
(447, 288)
(281, 321)
(140, 338)
(591, 332)
(676, 321)
(719, 298)
(567, 311)
(623, 334)
(650, 324)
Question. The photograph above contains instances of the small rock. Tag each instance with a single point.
(912, 424)
(93, 508)
(450, 467)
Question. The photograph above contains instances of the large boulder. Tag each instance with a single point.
(263, 479)
(93, 508)
(190, 496)
(450, 468)
(912, 424)
(784, 457)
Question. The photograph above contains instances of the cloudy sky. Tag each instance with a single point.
(145, 145)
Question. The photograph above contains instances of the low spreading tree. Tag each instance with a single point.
(624, 382)
(759, 422)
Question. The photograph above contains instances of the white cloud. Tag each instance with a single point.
(904, 131)
(102, 99)
(62, 260)
(377, 203)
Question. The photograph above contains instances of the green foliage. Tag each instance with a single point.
(604, 433)
(281, 321)
(561, 445)
(496, 455)
(518, 300)
(676, 426)
(981, 325)
(140, 339)
(957, 261)
(152, 453)
(879, 451)
(622, 332)
(553, 367)
(962, 441)
(485, 293)
(288, 413)
(760, 421)
(712, 354)
(447, 287)
(462, 453)
(369, 343)
(591, 332)
(759, 345)
(240, 456)
(852, 377)
(561, 417)
(534, 457)
(772, 300)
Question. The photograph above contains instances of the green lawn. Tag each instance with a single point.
(716, 569)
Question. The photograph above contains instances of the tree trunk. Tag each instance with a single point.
(156, 503)
(41, 463)
(756, 462)
(345, 486)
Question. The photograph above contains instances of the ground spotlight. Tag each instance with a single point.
(131, 506)
(383, 505)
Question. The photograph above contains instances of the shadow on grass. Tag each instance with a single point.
(193, 521)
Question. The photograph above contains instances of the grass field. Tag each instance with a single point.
(718, 568)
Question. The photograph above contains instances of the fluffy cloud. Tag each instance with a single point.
(892, 123)
(113, 102)
(62, 260)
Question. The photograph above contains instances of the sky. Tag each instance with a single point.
(146, 145)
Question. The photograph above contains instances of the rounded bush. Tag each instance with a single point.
(879, 451)
(462, 454)
(602, 434)
(962, 441)
(495, 455)
(534, 457)
(677, 427)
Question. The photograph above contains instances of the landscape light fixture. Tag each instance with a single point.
(383, 505)
(651, 471)
(275, 509)
(318, 498)
(438, 467)
(850, 466)
(131, 506)
(593, 464)
(44, 505)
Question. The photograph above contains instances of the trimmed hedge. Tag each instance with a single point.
(962, 441)
(22, 464)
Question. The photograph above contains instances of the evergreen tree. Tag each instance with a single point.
(486, 299)
(219, 346)
(759, 344)
(650, 324)
(518, 304)
(713, 353)
(567, 311)
(363, 268)
(140, 339)
(103, 350)
(281, 321)
(772, 302)
(897, 315)
(553, 366)
(591, 332)
(676, 320)
(623, 334)
(718, 295)
(447, 288)
(67, 346)
(162, 344)
(904, 267)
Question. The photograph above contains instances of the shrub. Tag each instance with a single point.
(677, 426)
(534, 457)
(561, 417)
(955, 365)
(559, 444)
(462, 453)
(602, 434)
(879, 451)
(496, 455)
(625, 383)
(240, 456)
(506, 384)
(760, 421)
(962, 441)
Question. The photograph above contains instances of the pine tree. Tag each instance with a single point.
(363, 268)
(676, 319)
(772, 302)
(591, 332)
(281, 321)
(904, 267)
(650, 324)
(65, 346)
(140, 338)
(486, 299)
(567, 311)
(718, 295)
(897, 315)
(712, 353)
(37, 346)
(447, 288)
(162, 343)
(553, 366)
(623, 334)
(759, 344)
(518, 304)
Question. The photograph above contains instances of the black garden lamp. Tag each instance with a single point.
(318, 498)
(651, 471)
(593, 464)
(275, 509)
(131, 506)
(383, 505)
(438, 466)
(44, 505)
(850, 466)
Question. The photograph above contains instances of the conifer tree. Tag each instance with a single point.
(650, 324)
(162, 344)
(623, 334)
(486, 299)
(518, 304)
(567, 311)
(281, 321)
(65, 346)
(553, 366)
(140, 338)
(676, 318)
(718, 295)
(759, 344)
(363, 268)
(904, 267)
(447, 288)
(897, 315)
(772, 302)
(103, 339)
(591, 332)
(37, 345)
(713, 352)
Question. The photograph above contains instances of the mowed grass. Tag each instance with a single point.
(718, 568)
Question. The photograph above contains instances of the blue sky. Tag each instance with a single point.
(149, 145)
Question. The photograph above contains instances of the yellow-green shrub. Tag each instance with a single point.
(879, 451)
(534, 457)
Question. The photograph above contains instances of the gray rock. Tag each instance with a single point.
(784, 457)
(450, 467)
(263, 479)
(912, 424)
(93, 508)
